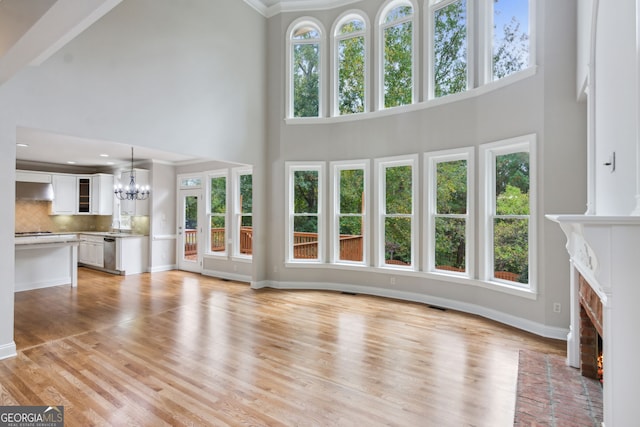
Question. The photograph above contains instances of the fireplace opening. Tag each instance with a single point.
(600, 361)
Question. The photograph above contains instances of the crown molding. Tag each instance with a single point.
(284, 6)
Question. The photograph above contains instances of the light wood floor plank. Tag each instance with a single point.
(177, 348)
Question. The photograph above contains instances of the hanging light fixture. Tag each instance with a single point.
(132, 191)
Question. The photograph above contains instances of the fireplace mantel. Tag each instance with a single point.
(605, 250)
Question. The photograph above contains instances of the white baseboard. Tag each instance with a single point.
(159, 268)
(226, 275)
(508, 319)
(8, 350)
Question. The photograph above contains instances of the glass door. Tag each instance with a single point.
(189, 231)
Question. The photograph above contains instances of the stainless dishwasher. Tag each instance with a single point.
(110, 253)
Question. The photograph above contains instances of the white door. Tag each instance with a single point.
(190, 242)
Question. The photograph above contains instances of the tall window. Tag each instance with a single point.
(305, 223)
(243, 239)
(396, 208)
(511, 48)
(509, 203)
(449, 207)
(449, 47)
(397, 53)
(218, 213)
(350, 224)
(350, 50)
(305, 39)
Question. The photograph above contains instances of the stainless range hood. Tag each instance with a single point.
(34, 191)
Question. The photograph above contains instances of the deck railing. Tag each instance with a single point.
(217, 241)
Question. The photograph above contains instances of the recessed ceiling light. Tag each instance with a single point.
(104, 155)
(20, 144)
(110, 163)
(71, 162)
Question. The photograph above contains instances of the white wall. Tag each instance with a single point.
(544, 104)
(616, 108)
(162, 231)
(184, 76)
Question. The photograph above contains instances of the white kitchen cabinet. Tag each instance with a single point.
(65, 198)
(29, 176)
(132, 254)
(102, 194)
(135, 207)
(91, 250)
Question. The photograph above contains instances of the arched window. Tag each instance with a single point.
(305, 65)
(511, 37)
(448, 47)
(397, 30)
(350, 64)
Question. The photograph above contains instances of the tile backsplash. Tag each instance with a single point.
(35, 216)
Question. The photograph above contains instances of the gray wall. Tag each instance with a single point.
(544, 104)
(184, 76)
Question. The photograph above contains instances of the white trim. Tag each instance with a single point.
(379, 210)
(334, 208)
(8, 350)
(431, 159)
(225, 275)
(487, 154)
(220, 173)
(158, 268)
(384, 9)
(429, 79)
(290, 168)
(431, 103)
(235, 211)
(498, 316)
(345, 17)
(305, 20)
(296, 6)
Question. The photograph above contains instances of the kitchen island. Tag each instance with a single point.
(45, 260)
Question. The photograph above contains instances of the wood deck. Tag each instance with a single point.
(177, 348)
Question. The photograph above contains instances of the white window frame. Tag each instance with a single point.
(223, 173)
(306, 20)
(487, 157)
(486, 41)
(429, 75)
(291, 168)
(386, 7)
(431, 161)
(337, 38)
(336, 168)
(237, 214)
(381, 165)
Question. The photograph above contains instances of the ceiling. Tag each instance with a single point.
(33, 30)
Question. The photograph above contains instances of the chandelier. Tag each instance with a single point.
(132, 191)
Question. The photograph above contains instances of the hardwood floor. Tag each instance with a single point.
(177, 348)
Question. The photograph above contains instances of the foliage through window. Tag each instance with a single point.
(350, 46)
(449, 54)
(218, 213)
(305, 70)
(511, 48)
(305, 225)
(450, 217)
(396, 220)
(245, 214)
(397, 34)
(349, 209)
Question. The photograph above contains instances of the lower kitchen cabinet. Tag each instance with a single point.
(132, 254)
(91, 250)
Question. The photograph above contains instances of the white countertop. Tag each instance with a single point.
(46, 239)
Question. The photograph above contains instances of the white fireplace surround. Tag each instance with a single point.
(605, 250)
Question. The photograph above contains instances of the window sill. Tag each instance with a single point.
(498, 286)
(430, 103)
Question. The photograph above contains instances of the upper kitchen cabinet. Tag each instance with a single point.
(82, 194)
(102, 194)
(65, 190)
(135, 207)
